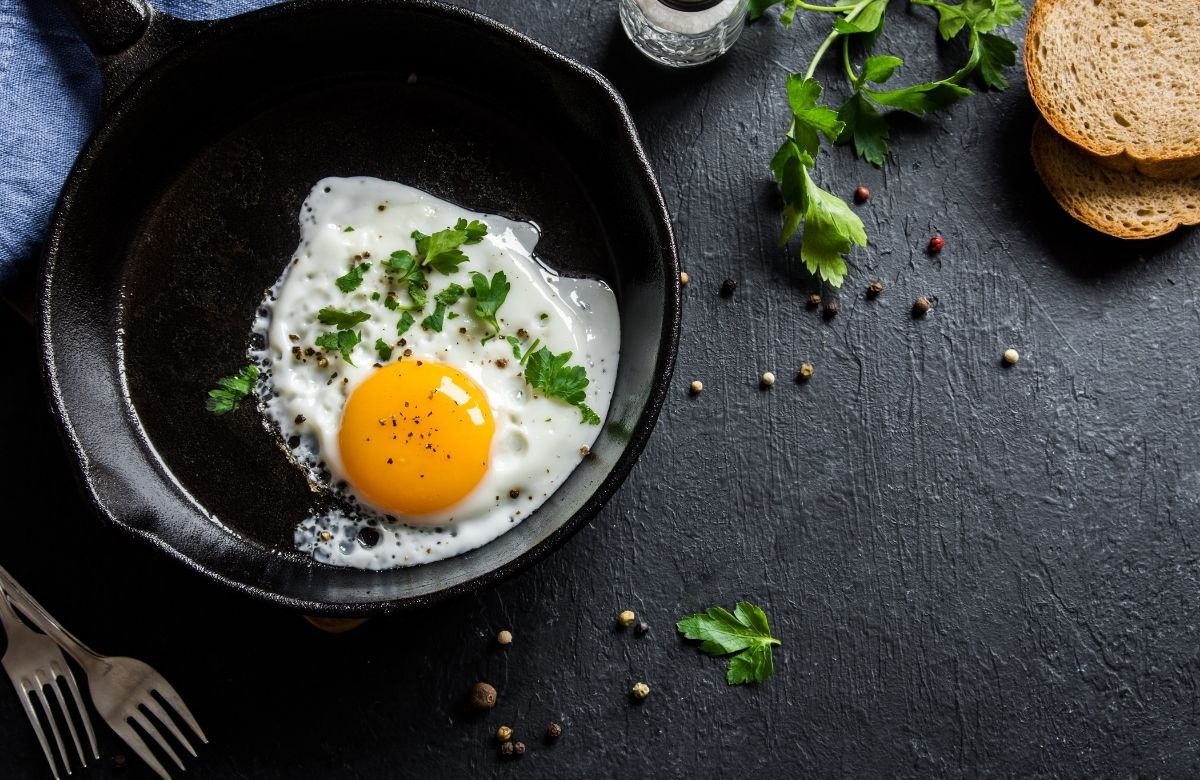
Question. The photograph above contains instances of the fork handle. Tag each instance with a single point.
(38, 615)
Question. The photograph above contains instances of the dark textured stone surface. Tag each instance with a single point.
(974, 569)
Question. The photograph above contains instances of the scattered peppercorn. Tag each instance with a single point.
(584, 451)
(831, 310)
(683, 277)
(727, 287)
(504, 637)
(507, 749)
(514, 493)
(767, 379)
(553, 731)
(626, 618)
(1011, 356)
(861, 194)
(300, 418)
(920, 305)
(640, 690)
(504, 733)
(936, 244)
(412, 78)
(697, 387)
(806, 372)
(483, 696)
(814, 300)
(874, 289)
(642, 628)
(519, 748)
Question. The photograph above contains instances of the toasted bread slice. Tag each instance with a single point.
(1125, 204)
(1120, 79)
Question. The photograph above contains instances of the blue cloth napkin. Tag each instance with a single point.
(49, 102)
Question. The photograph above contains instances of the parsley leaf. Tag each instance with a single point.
(231, 390)
(994, 53)
(550, 373)
(341, 319)
(515, 343)
(808, 118)
(348, 229)
(920, 99)
(390, 303)
(759, 7)
(880, 67)
(865, 127)
(745, 632)
(344, 341)
(436, 320)
(868, 20)
(450, 295)
(406, 322)
(830, 228)
(405, 267)
(384, 349)
(441, 250)
(419, 294)
(351, 281)
(489, 296)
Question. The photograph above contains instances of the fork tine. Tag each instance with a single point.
(62, 703)
(62, 751)
(131, 737)
(164, 689)
(140, 719)
(156, 709)
(27, 703)
(83, 714)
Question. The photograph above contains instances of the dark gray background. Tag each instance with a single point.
(973, 569)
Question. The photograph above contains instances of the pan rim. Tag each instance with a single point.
(663, 369)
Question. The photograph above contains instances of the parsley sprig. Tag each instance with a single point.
(489, 296)
(441, 250)
(829, 229)
(745, 632)
(231, 390)
(549, 373)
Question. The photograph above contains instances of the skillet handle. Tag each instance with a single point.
(109, 26)
(127, 37)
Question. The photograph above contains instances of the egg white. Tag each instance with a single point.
(538, 441)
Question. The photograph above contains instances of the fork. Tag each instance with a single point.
(121, 687)
(34, 662)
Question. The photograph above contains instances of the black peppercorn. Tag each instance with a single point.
(920, 306)
(874, 289)
(641, 629)
(814, 300)
(519, 748)
(507, 748)
(861, 194)
(831, 310)
(727, 287)
(553, 731)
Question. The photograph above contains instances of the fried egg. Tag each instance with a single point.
(425, 443)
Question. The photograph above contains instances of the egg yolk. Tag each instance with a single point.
(415, 437)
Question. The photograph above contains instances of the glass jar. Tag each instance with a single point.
(683, 33)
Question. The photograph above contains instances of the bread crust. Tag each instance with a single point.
(1122, 204)
(1160, 165)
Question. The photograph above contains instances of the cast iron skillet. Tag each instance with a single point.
(183, 208)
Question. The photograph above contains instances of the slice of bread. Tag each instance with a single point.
(1121, 79)
(1125, 204)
